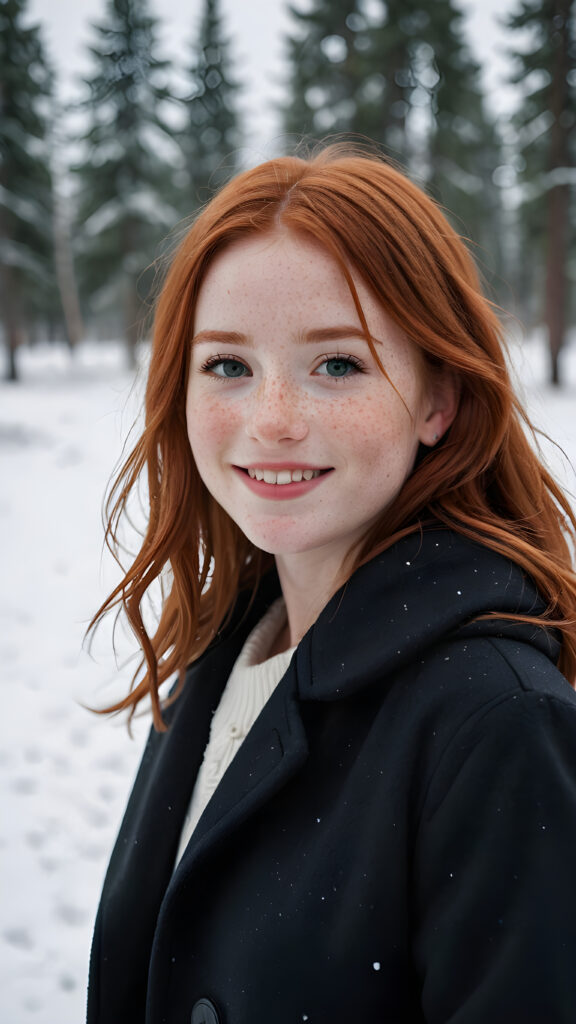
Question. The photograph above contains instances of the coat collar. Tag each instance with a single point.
(426, 588)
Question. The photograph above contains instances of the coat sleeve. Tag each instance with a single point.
(495, 880)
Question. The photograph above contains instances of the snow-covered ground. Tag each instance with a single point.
(64, 772)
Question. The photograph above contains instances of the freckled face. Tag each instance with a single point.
(295, 431)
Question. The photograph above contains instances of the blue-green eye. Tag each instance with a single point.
(224, 367)
(340, 366)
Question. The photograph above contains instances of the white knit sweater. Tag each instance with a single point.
(250, 684)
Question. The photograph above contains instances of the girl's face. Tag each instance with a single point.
(295, 431)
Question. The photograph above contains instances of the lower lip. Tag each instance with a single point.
(281, 492)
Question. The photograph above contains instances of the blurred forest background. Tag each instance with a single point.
(90, 192)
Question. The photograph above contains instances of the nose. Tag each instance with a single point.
(276, 412)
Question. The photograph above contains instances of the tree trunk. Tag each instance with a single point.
(65, 275)
(14, 341)
(132, 320)
(13, 331)
(558, 197)
(556, 276)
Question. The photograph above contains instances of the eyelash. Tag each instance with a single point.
(217, 360)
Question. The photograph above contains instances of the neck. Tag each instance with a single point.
(308, 582)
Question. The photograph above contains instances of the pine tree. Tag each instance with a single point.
(27, 277)
(335, 83)
(125, 176)
(212, 135)
(546, 124)
(404, 78)
(464, 148)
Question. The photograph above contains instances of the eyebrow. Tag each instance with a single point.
(230, 337)
(316, 335)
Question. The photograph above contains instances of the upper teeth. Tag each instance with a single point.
(283, 476)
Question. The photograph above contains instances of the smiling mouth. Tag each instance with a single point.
(284, 476)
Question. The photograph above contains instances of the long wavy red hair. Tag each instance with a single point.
(483, 480)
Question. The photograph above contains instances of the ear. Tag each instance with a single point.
(439, 406)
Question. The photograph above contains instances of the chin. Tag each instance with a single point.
(277, 542)
(278, 547)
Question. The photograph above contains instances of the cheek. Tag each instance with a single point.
(372, 426)
(209, 424)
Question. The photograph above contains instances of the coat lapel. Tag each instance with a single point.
(142, 862)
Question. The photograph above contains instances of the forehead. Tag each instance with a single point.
(264, 254)
(279, 271)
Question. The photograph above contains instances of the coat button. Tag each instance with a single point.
(204, 1012)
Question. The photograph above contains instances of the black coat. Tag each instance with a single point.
(394, 842)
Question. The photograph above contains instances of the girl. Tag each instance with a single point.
(359, 801)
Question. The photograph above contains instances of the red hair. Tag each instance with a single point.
(483, 480)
